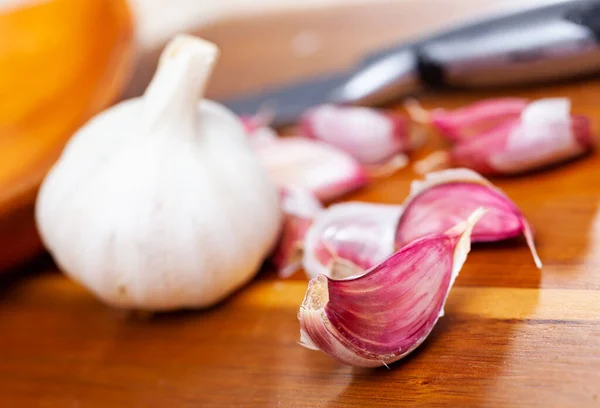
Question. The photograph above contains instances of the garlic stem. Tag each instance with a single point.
(179, 83)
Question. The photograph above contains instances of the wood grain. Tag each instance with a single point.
(512, 336)
(61, 61)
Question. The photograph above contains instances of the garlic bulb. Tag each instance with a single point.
(159, 202)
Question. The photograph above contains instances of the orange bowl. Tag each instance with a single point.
(61, 62)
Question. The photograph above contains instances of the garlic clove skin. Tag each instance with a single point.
(381, 316)
(348, 238)
(324, 170)
(446, 197)
(299, 207)
(159, 203)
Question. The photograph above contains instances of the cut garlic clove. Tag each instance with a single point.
(544, 134)
(472, 120)
(381, 316)
(348, 238)
(370, 136)
(446, 197)
(299, 208)
(324, 170)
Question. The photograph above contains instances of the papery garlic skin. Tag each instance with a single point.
(381, 316)
(159, 202)
(348, 238)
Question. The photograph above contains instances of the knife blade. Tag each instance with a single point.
(557, 40)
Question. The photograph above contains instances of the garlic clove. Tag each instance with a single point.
(384, 314)
(544, 134)
(446, 197)
(370, 136)
(299, 208)
(325, 171)
(464, 123)
(349, 238)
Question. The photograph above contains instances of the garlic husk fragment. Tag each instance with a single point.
(159, 203)
(381, 316)
(446, 197)
(299, 208)
(544, 134)
(348, 238)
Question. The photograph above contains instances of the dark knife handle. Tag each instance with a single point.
(540, 44)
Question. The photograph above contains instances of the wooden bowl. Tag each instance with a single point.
(61, 62)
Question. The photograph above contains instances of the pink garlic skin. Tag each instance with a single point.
(472, 120)
(299, 208)
(325, 171)
(448, 196)
(439, 207)
(370, 136)
(381, 316)
(358, 235)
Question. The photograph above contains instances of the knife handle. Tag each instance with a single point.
(540, 44)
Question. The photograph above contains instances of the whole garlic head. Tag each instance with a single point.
(159, 203)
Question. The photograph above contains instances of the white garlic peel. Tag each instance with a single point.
(159, 203)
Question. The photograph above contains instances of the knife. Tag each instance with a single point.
(538, 44)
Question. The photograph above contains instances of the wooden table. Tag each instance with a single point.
(512, 335)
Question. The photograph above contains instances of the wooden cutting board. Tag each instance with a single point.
(512, 336)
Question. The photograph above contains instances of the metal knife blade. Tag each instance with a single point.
(288, 102)
(557, 40)
(395, 75)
